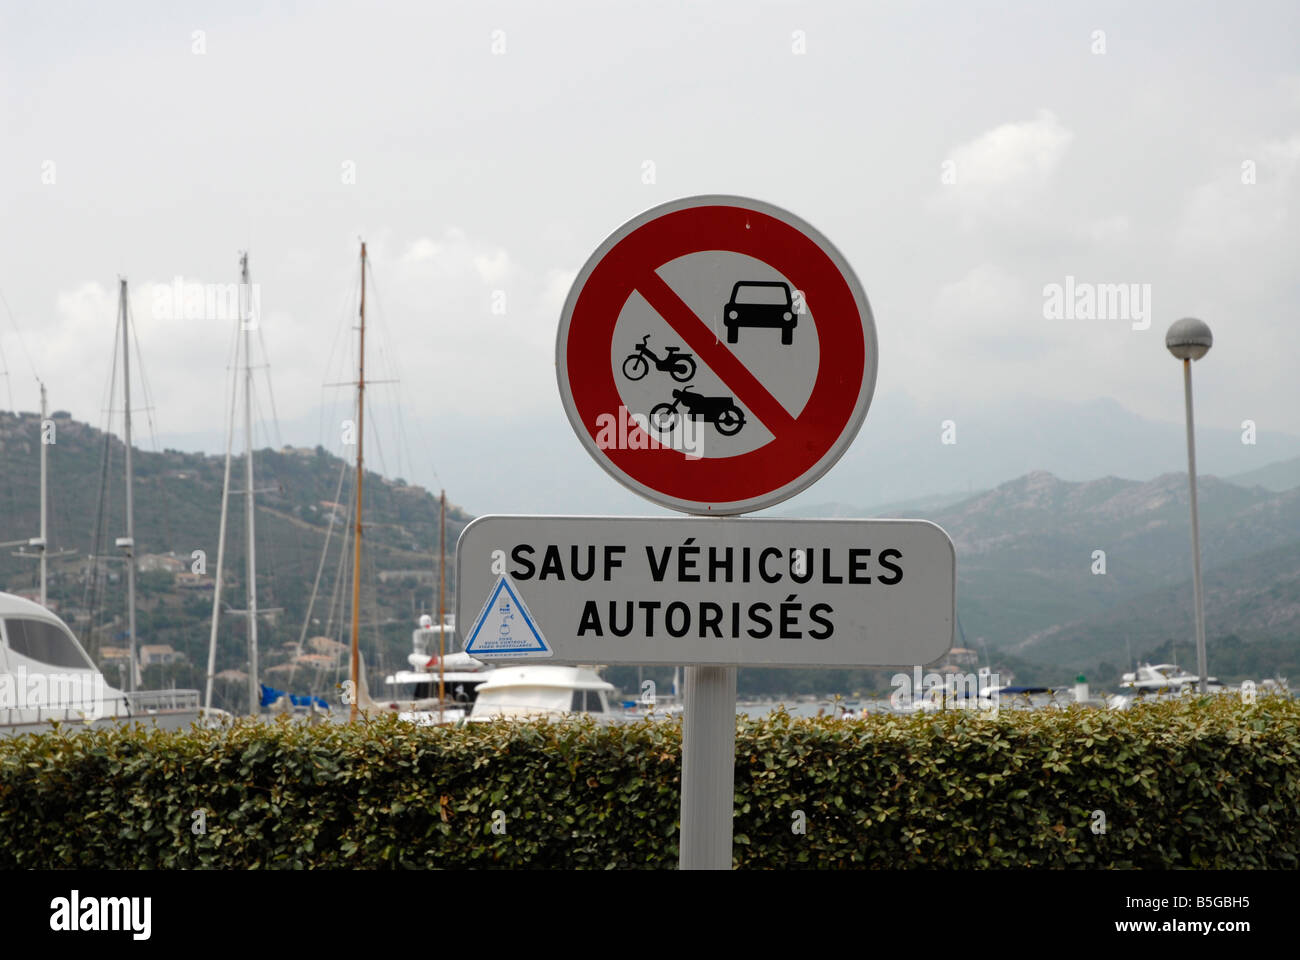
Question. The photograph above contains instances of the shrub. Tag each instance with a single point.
(1195, 783)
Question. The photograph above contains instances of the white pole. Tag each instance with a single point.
(708, 768)
(44, 452)
(1201, 660)
(130, 491)
(246, 319)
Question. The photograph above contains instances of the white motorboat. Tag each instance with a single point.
(457, 676)
(1165, 677)
(46, 677)
(530, 692)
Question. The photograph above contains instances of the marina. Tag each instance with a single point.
(567, 447)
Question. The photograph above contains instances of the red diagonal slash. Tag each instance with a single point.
(748, 389)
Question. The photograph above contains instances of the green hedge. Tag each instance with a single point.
(1211, 783)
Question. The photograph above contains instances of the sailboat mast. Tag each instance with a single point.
(356, 555)
(221, 561)
(130, 489)
(246, 319)
(442, 588)
(44, 456)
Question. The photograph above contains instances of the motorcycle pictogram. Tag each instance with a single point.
(722, 412)
(680, 366)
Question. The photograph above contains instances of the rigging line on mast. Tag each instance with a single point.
(336, 598)
(169, 543)
(374, 605)
(93, 594)
(89, 595)
(336, 604)
(378, 439)
(22, 343)
(4, 363)
(395, 372)
(349, 299)
(272, 566)
(11, 507)
(4, 372)
(354, 670)
(315, 587)
(388, 369)
(270, 393)
(144, 379)
(233, 366)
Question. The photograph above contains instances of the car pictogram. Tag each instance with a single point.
(760, 303)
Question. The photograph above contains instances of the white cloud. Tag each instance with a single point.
(494, 268)
(558, 283)
(1005, 168)
(1231, 217)
(1107, 229)
(420, 250)
(980, 304)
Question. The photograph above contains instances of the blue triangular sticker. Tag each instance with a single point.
(504, 629)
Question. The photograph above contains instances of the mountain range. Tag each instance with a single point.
(1071, 576)
(1054, 576)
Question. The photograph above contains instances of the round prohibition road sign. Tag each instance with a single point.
(716, 355)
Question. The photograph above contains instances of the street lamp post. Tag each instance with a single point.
(1190, 339)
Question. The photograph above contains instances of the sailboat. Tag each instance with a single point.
(259, 695)
(38, 547)
(479, 690)
(41, 656)
(437, 670)
(421, 706)
(181, 710)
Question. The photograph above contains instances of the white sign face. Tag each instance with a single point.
(751, 592)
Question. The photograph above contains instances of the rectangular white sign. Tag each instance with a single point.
(749, 592)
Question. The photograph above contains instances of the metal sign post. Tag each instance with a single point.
(708, 768)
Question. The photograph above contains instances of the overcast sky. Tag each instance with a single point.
(962, 156)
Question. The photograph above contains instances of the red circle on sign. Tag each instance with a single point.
(835, 406)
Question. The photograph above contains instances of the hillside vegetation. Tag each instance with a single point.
(178, 510)
(1032, 601)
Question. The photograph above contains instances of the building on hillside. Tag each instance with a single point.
(105, 568)
(152, 653)
(195, 582)
(330, 511)
(169, 562)
(419, 576)
(319, 661)
(35, 597)
(331, 648)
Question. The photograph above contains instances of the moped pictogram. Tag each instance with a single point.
(722, 412)
(680, 366)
